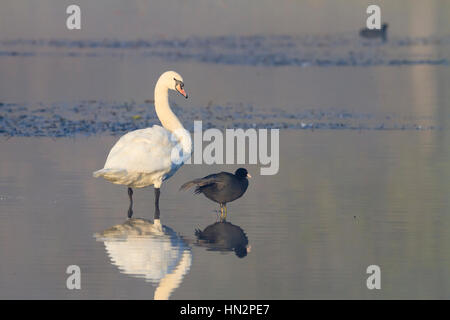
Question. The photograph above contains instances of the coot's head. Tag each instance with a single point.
(242, 173)
(384, 26)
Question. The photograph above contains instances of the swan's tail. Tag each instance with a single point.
(108, 173)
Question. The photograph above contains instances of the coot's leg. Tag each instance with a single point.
(221, 211)
(157, 192)
(226, 211)
(130, 209)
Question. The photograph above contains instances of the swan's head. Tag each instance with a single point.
(173, 81)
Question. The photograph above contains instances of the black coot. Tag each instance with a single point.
(221, 187)
(375, 33)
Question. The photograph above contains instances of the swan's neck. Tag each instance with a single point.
(168, 119)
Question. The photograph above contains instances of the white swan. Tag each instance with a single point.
(146, 157)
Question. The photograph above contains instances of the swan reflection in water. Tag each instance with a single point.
(147, 250)
(224, 236)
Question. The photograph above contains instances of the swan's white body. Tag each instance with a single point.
(149, 156)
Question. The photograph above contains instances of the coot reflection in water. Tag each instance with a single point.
(224, 236)
(147, 250)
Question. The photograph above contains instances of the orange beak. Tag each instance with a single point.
(181, 91)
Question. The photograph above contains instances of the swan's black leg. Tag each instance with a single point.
(130, 209)
(157, 192)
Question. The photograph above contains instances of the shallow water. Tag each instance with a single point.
(364, 160)
(341, 201)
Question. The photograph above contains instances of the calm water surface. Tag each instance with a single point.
(364, 159)
(341, 201)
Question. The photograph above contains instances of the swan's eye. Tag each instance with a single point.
(179, 85)
(178, 82)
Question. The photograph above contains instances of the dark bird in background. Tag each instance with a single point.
(224, 236)
(221, 187)
(375, 33)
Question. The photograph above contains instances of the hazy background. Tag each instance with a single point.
(342, 200)
(172, 18)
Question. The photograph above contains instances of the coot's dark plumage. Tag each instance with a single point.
(221, 187)
(375, 33)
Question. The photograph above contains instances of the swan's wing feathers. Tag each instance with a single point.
(144, 150)
(108, 172)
